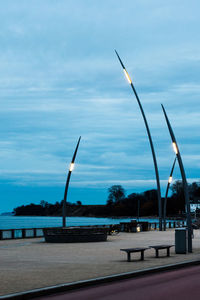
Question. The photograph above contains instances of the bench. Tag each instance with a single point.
(133, 250)
(161, 247)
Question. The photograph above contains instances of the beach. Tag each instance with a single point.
(27, 264)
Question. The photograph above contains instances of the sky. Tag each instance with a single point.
(60, 79)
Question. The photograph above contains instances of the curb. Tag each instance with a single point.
(47, 291)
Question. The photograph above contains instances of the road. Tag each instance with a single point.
(180, 284)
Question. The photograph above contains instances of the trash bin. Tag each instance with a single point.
(181, 235)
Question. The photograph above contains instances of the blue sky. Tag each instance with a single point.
(60, 78)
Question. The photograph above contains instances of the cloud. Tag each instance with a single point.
(60, 78)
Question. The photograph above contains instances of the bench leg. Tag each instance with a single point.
(128, 256)
(168, 252)
(142, 255)
(157, 253)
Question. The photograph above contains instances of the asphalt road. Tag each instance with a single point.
(183, 284)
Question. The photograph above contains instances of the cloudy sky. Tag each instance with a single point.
(60, 78)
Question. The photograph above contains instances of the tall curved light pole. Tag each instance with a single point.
(185, 185)
(71, 167)
(150, 141)
(166, 194)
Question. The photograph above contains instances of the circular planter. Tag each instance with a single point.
(75, 234)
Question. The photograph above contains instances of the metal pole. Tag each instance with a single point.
(67, 183)
(185, 185)
(150, 141)
(166, 194)
(138, 209)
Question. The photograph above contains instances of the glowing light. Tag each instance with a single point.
(71, 168)
(175, 147)
(138, 229)
(127, 76)
(170, 179)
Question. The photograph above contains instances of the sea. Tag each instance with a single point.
(16, 222)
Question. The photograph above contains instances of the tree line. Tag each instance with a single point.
(118, 204)
(46, 209)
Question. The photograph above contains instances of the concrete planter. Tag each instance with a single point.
(75, 234)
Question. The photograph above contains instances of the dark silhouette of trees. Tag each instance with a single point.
(194, 190)
(78, 203)
(44, 209)
(132, 201)
(28, 210)
(149, 203)
(144, 204)
(116, 193)
(176, 203)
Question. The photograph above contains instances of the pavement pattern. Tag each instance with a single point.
(28, 264)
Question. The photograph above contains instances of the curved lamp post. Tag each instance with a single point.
(166, 194)
(138, 209)
(185, 185)
(71, 167)
(150, 141)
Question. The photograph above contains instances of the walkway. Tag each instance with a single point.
(33, 264)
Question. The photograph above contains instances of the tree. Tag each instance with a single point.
(43, 203)
(116, 194)
(149, 205)
(176, 204)
(132, 202)
(177, 187)
(194, 190)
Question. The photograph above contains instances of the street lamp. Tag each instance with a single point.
(71, 168)
(185, 185)
(150, 141)
(166, 194)
(175, 147)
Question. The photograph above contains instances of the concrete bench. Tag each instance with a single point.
(133, 250)
(161, 247)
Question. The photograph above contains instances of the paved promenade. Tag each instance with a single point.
(31, 263)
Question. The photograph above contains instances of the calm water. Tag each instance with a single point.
(11, 222)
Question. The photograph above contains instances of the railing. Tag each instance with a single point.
(170, 224)
(145, 226)
(8, 234)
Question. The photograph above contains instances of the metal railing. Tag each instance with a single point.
(22, 233)
(7, 234)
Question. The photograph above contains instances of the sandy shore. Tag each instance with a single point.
(31, 263)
